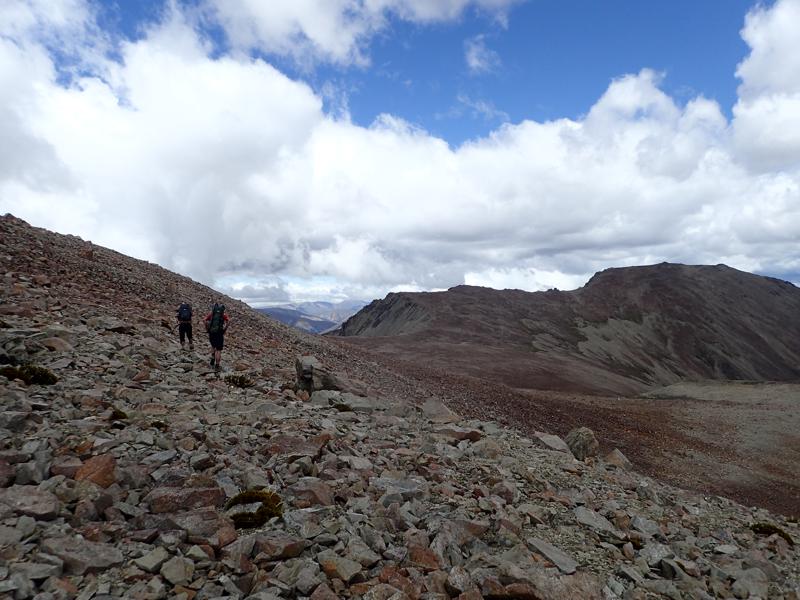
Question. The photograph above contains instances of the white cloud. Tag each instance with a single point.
(226, 169)
(766, 121)
(478, 57)
(525, 279)
(480, 108)
(335, 31)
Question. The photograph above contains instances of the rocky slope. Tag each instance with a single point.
(114, 480)
(625, 331)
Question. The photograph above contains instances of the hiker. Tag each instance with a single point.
(216, 325)
(185, 324)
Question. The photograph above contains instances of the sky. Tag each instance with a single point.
(299, 150)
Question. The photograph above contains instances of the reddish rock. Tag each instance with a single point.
(505, 490)
(56, 344)
(294, 447)
(206, 526)
(310, 491)
(173, 499)
(395, 577)
(460, 433)
(423, 558)
(65, 465)
(279, 546)
(99, 470)
(142, 375)
(323, 592)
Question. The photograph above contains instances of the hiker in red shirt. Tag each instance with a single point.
(216, 323)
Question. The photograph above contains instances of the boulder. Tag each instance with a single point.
(313, 376)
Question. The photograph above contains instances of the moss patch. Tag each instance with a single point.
(118, 415)
(770, 529)
(241, 381)
(271, 506)
(30, 374)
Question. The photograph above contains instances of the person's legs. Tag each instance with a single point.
(189, 335)
(182, 333)
(216, 343)
(218, 353)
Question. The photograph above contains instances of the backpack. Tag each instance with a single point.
(217, 322)
(184, 312)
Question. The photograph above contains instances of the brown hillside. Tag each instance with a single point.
(627, 330)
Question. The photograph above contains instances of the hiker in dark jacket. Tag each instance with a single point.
(184, 317)
(216, 325)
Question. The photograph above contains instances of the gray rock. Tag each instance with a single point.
(337, 566)
(595, 521)
(82, 556)
(618, 459)
(358, 551)
(178, 570)
(299, 573)
(30, 501)
(9, 535)
(551, 441)
(654, 553)
(36, 571)
(751, 583)
(152, 561)
(436, 412)
(458, 581)
(559, 558)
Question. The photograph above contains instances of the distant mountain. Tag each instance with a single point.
(626, 330)
(332, 311)
(314, 317)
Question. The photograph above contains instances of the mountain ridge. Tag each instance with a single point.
(626, 330)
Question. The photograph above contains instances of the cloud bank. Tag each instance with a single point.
(225, 169)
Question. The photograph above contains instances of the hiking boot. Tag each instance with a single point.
(211, 362)
(217, 368)
(191, 346)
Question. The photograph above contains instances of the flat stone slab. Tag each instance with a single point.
(30, 501)
(82, 556)
(564, 562)
(437, 412)
(552, 441)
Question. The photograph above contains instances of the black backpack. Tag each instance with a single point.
(184, 312)
(217, 318)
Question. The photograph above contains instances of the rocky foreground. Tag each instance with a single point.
(123, 478)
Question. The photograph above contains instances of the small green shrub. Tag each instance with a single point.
(30, 374)
(271, 506)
